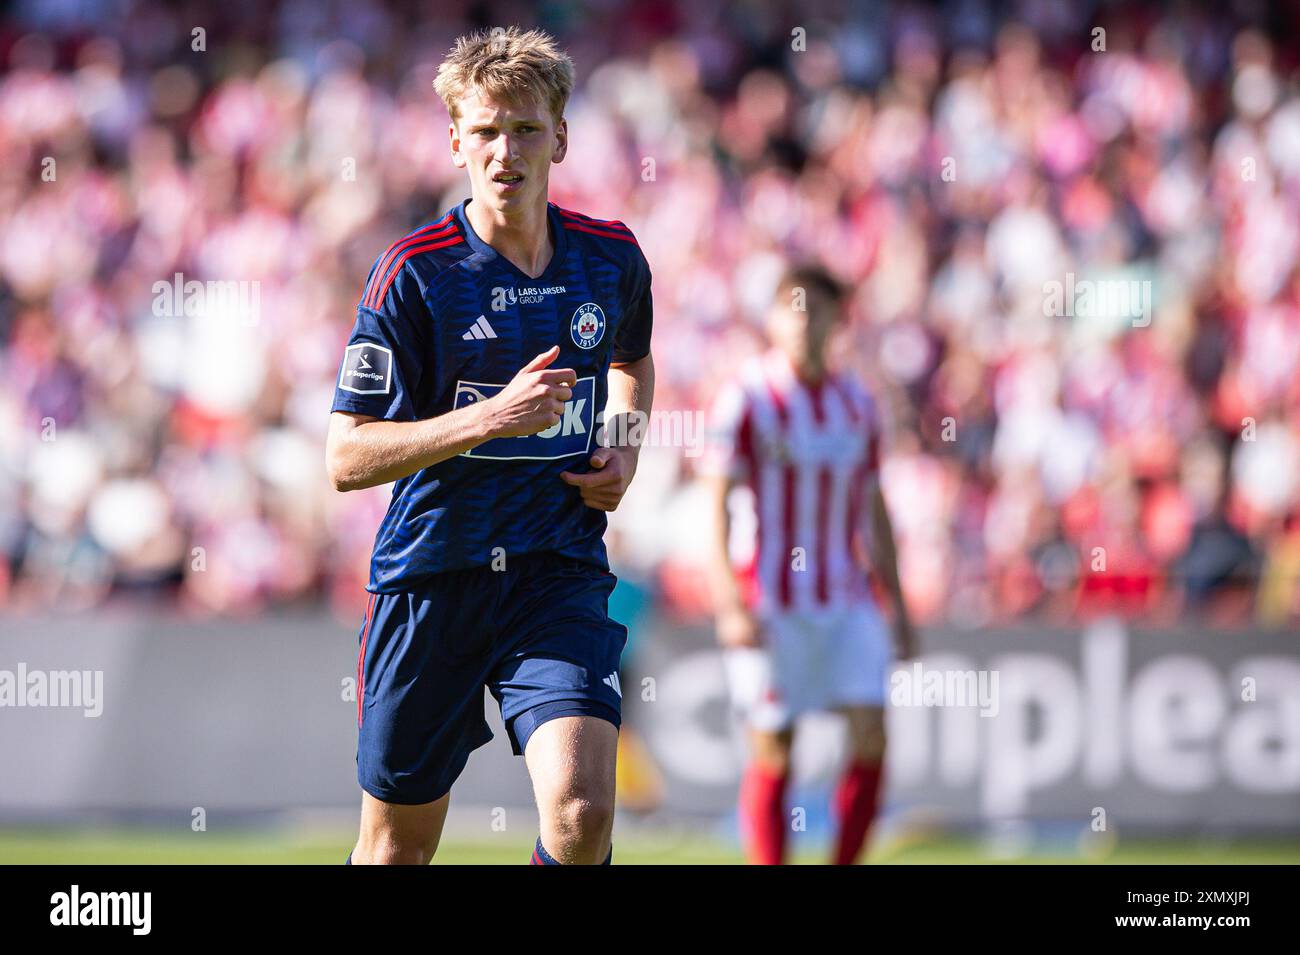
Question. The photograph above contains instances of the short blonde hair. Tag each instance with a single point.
(506, 64)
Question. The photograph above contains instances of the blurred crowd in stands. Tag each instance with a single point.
(957, 165)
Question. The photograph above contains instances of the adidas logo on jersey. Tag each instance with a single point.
(611, 681)
(480, 330)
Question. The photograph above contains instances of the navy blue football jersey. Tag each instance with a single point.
(445, 321)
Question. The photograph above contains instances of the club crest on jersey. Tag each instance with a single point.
(588, 325)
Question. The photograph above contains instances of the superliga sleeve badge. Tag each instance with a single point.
(588, 325)
(367, 369)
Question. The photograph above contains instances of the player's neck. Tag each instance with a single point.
(523, 238)
(809, 375)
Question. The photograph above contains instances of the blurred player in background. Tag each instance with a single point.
(486, 345)
(798, 622)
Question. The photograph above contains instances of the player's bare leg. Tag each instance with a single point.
(858, 792)
(571, 760)
(762, 795)
(866, 732)
(393, 834)
(771, 750)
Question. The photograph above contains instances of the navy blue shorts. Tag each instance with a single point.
(537, 634)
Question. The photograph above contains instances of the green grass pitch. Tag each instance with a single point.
(149, 846)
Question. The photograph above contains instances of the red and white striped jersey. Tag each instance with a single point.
(807, 453)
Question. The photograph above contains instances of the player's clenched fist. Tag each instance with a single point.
(603, 487)
(534, 399)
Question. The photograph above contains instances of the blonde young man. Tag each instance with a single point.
(485, 347)
(797, 621)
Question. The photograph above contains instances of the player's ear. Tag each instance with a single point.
(561, 140)
(457, 158)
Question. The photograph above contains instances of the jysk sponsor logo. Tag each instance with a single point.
(587, 325)
(367, 369)
(571, 435)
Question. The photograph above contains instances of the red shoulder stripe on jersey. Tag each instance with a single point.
(608, 235)
(383, 275)
(396, 247)
(440, 227)
(382, 290)
(612, 224)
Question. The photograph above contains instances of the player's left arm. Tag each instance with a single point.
(631, 393)
(884, 557)
(627, 415)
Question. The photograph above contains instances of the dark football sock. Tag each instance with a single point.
(855, 803)
(542, 857)
(762, 816)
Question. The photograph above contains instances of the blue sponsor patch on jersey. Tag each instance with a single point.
(572, 435)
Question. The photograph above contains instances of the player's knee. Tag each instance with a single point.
(867, 743)
(385, 847)
(395, 852)
(771, 751)
(871, 749)
(774, 761)
(585, 817)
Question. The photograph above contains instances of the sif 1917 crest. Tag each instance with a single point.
(588, 325)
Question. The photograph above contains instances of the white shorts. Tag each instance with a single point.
(816, 660)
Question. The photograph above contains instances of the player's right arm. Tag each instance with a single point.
(365, 450)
